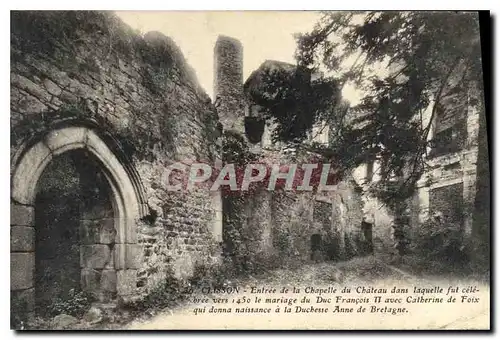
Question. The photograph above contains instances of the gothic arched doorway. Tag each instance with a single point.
(111, 201)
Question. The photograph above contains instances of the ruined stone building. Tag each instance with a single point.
(97, 114)
(449, 184)
(285, 226)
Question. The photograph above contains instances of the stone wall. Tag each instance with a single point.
(89, 69)
(444, 170)
(376, 213)
(454, 168)
(278, 226)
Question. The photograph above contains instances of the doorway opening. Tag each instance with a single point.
(74, 233)
(316, 248)
(367, 231)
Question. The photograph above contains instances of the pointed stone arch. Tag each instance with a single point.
(127, 196)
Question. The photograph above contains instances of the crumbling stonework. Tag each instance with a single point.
(279, 227)
(455, 168)
(458, 167)
(228, 82)
(84, 80)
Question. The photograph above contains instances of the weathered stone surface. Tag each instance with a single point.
(62, 139)
(228, 73)
(23, 299)
(128, 256)
(131, 235)
(22, 215)
(27, 172)
(108, 280)
(29, 86)
(30, 105)
(129, 232)
(22, 239)
(161, 109)
(126, 281)
(22, 267)
(90, 280)
(89, 233)
(52, 87)
(62, 321)
(133, 256)
(119, 254)
(107, 234)
(111, 263)
(93, 315)
(94, 256)
(98, 231)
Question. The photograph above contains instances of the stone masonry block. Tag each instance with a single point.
(119, 254)
(60, 139)
(36, 90)
(133, 256)
(52, 87)
(129, 232)
(128, 256)
(27, 173)
(94, 256)
(24, 300)
(88, 232)
(90, 280)
(111, 263)
(108, 280)
(22, 215)
(101, 231)
(126, 281)
(107, 232)
(22, 267)
(22, 239)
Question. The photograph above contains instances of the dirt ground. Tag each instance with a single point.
(361, 273)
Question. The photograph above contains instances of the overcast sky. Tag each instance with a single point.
(264, 35)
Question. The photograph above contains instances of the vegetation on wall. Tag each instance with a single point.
(83, 42)
(426, 56)
(79, 113)
(294, 101)
(441, 242)
(242, 240)
(421, 50)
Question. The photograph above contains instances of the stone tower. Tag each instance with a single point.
(228, 83)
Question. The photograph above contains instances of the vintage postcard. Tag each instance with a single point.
(258, 170)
